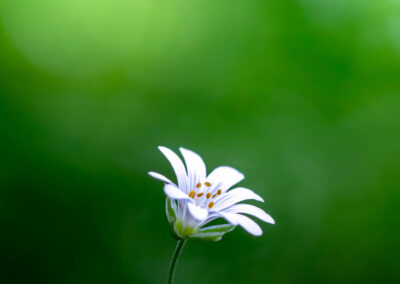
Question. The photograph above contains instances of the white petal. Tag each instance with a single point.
(160, 177)
(251, 210)
(224, 177)
(234, 196)
(177, 165)
(196, 168)
(197, 212)
(175, 193)
(245, 222)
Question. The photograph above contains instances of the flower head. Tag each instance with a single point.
(198, 199)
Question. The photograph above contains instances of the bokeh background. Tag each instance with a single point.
(302, 96)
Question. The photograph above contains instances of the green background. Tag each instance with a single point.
(303, 97)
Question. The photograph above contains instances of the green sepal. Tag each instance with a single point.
(206, 237)
(212, 233)
(224, 228)
(170, 211)
(171, 216)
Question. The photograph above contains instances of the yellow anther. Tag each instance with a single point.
(192, 194)
(219, 191)
(210, 205)
(214, 195)
(208, 195)
(198, 185)
(207, 183)
(200, 194)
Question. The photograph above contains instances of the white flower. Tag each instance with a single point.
(197, 199)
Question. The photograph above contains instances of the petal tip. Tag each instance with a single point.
(160, 177)
(255, 231)
(184, 150)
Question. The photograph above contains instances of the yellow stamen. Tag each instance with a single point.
(208, 195)
(214, 195)
(210, 205)
(207, 183)
(192, 194)
(200, 194)
(198, 185)
(219, 191)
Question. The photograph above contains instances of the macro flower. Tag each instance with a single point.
(197, 199)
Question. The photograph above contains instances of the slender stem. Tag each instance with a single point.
(174, 261)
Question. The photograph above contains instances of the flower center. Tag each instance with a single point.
(194, 194)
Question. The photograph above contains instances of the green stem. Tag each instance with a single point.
(174, 261)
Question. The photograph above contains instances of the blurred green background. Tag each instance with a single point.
(301, 96)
